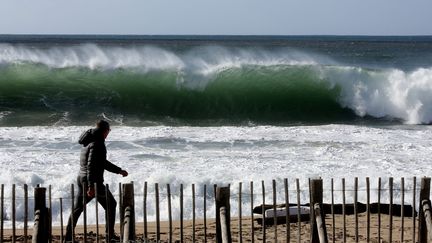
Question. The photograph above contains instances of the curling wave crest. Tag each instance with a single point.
(210, 82)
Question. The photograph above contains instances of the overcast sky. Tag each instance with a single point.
(214, 17)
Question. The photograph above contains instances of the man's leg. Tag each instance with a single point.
(111, 210)
(78, 208)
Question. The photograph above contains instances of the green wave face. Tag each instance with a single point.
(35, 93)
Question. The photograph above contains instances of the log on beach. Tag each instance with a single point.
(338, 209)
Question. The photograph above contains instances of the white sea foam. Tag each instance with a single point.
(216, 155)
(389, 93)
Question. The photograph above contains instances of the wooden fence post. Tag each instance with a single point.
(13, 214)
(128, 211)
(40, 230)
(426, 204)
(424, 195)
(320, 225)
(25, 213)
(316, 187)
(2, 213)
(223, 201)
(225, 236)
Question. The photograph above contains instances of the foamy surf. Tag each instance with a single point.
(216, 155)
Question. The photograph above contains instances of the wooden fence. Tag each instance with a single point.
(327, 221)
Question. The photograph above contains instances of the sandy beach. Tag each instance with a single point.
(258, 232)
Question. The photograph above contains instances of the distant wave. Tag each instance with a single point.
(76, 83)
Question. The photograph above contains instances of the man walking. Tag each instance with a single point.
(93, 163)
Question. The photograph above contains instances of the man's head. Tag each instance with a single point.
(104, 127)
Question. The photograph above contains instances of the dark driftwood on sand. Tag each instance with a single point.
(349, 208)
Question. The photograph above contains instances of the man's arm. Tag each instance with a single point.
(114, 168)
(92, 164)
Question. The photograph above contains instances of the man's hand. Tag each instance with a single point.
(124, 173)
(91, 192)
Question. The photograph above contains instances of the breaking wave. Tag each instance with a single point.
(75, 84)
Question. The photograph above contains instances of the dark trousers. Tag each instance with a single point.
(103, 196)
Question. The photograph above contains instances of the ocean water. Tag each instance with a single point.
(215, 110)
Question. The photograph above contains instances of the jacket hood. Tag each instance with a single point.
(90, 136)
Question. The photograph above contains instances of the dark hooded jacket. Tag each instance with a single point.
(93, 160)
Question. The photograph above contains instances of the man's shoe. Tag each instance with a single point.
(114, 238)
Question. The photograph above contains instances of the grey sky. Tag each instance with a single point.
(232, 17)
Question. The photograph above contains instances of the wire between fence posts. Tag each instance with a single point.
(380, 198)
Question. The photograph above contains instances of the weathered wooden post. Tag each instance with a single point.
(224, 228)
(157, 212)
(40, 230)
(170, 228)
(320, 225)
(424, 195)
(61, 220)
(25, 212)
(316, 200)
(428, 217)
(223, 201)
(128, 211)
(2, 213)
(13, 214)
